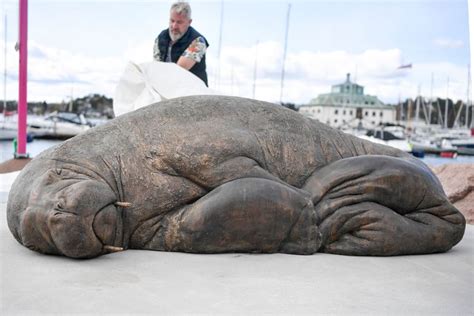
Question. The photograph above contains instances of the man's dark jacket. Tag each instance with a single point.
(199, 69)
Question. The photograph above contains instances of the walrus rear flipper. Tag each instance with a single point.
(382, 206)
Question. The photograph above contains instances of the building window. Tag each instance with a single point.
(344, 112)
(381, 114)
(335, 120)
(335, 111)
(350, 112)
(366, 113)
(319, 110)
(373, 113)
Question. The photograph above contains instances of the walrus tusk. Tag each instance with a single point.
(123, 204)
(112, 248)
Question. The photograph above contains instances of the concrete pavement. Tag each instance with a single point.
(148, 282)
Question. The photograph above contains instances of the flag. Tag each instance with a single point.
(404, 66)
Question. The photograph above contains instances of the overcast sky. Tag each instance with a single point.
(78, 47)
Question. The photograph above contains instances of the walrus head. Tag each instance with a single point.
(65, 213)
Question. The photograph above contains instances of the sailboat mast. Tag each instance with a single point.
(446, 106)
(431, 101)
(468, 94)
(440, 116)
(255, 71)
(219, 47)
(400, 105)
(417, 111)
(284, 53)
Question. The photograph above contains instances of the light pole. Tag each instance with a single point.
(23, 78)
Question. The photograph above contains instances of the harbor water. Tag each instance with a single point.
(38, 145)
(33, 148)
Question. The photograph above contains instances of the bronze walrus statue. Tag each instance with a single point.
(210, 174)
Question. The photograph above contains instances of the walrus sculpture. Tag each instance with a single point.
(210, 174)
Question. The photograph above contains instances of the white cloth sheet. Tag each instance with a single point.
(147, 83)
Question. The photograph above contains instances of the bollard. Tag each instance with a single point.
(15, 146)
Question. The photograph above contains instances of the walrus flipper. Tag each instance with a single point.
(382, 206)
(244, 215)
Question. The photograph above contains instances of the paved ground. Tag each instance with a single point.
(134, 282)
(13, 165)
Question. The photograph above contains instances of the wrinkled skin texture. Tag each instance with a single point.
(211, 174)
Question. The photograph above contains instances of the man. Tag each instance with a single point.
(181, 43)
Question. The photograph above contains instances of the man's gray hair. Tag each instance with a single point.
(182, 7)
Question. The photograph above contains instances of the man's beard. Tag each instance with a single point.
(175, 36)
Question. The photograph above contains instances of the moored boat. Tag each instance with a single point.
(60, 125)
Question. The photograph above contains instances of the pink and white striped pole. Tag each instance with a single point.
(23, 78)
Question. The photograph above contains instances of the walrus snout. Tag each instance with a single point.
(71, 217)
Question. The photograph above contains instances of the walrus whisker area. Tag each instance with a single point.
(236, 175)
